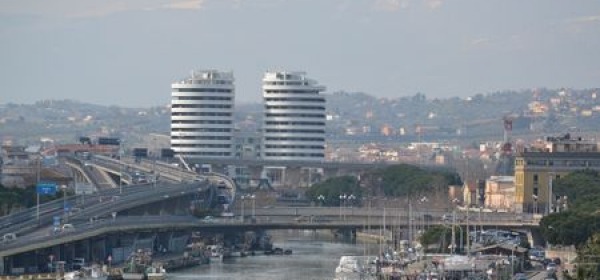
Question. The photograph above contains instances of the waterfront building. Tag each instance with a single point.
(537, 168)
(294, 117)
(202, 115)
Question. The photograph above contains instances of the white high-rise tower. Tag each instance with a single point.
(202, 115)
(294, 120)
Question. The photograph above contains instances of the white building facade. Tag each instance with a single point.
(294, 117)
(202, 115)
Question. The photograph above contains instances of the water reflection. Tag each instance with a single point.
(315, 256)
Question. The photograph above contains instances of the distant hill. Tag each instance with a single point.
(352, 116)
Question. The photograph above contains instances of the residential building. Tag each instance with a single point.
(294, 117)
(202, 115)
(500, 193)
(536, 169)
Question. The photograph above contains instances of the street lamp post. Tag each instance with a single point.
(64, 190)
(321, 199)
(535, 203)
(342, 198)
(351, 199)
(480, 224)
(243, 197)
(424, 201)
(120, 168)
(253, 197)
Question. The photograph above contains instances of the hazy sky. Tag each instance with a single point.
(127, 52)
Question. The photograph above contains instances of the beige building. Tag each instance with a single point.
(500, 193)
(536, 169)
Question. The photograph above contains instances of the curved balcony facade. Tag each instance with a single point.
(202, 115)
(294, 117)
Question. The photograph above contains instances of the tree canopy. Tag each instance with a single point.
(393, 181)
(575, 225)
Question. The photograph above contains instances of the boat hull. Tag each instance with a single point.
(133, 276)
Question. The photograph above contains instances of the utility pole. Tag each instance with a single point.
(468, 236)
(453, 231)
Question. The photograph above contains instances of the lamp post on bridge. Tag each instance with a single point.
(321, 199)
(253, 197)
(244, 198)
(120, 167)
(342, 199)
(424, 201)
(351, 198)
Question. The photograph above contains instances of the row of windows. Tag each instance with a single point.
(286, 83)
(221, 98)
(202, 90)
(296, 115)
(201, 137)
(316, 155)
(294, 131)
(294, 123)
(322, 100)
(311, 91)
(202, 114)
(211, 154)
(558, 163)
(218, 106)
(201, 130)
(295, 107)
(202, 145)
(293, 147)
(295, 139)
(201, 122)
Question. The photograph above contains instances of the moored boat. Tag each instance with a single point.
(156, 272)
(215, 253)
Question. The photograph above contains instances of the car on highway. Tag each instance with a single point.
(67, 227)
(9, 237)
(302, 219)
(208, 219)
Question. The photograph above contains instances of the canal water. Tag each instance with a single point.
(315, 256)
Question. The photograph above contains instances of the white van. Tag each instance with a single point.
(9, 237)
(68, 227)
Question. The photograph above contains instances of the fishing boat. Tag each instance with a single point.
(215, 253)
(136, 267)
(353, 268)
(156, 272)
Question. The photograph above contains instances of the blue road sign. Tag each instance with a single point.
(56, 221)
(46, 188)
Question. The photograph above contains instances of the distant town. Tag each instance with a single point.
(302, 159)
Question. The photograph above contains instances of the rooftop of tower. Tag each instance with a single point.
(210, 76)
(295, 78)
